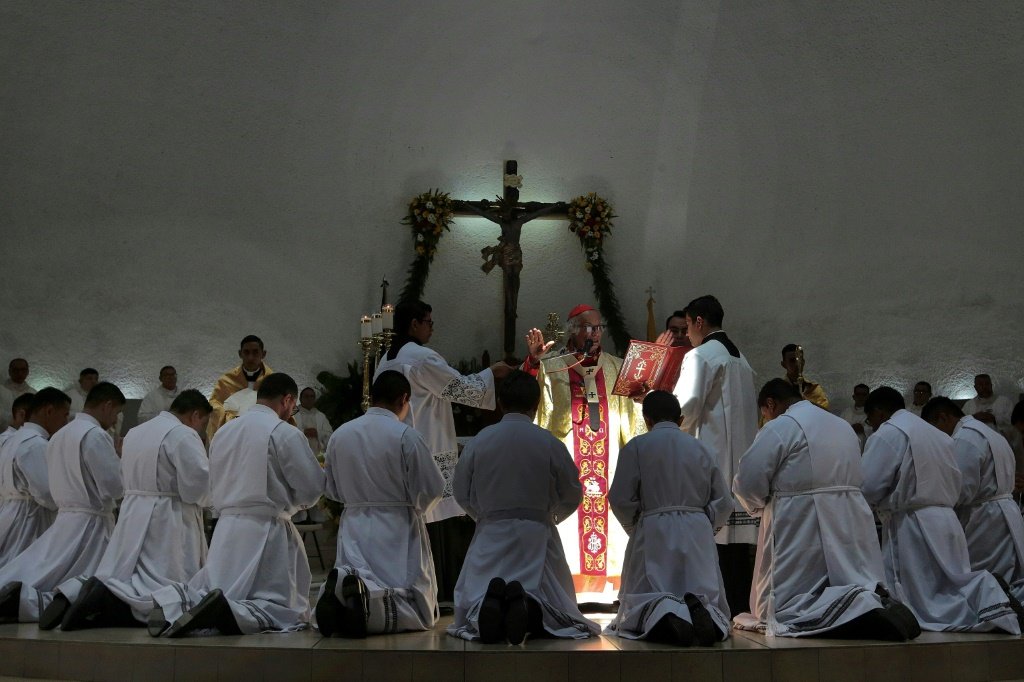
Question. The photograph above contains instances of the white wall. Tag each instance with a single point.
(175, 176)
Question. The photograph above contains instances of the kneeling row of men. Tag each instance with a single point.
(819, 569)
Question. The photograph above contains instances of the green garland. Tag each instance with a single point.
(430, 215)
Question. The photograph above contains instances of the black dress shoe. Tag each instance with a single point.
(212, 612)
(672, 629)
(10, 595)
(516, 613)
(328, 607)
(704, 629)
(87, 608)
(491, 623)
(355, 604)
(54, 612)
(900, 612)
(156, 623)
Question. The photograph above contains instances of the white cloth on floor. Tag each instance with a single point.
(435, 386)
(991, 519)
(517, 481)
(818, 560)
(314, 419)
(156, 401)
(382, 471)
(27, 509)
(85, 481)
(912, 480)
(669, 495)
(159, 536)
(719, 403)
(261, 472)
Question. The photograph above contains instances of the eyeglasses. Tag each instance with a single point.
(589, 329)
(429, 323)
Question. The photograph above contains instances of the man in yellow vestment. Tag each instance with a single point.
(577, 406)
(248, 375)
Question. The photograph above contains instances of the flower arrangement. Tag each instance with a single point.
(590, 217)
(429, 215)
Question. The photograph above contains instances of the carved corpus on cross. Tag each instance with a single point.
(510, 214)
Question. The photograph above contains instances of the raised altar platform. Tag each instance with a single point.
(127, 654)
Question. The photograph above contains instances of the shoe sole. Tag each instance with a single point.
(328, 608)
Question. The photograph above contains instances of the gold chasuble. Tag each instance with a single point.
(593, 540)
(229, 383)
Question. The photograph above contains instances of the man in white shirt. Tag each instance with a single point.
(160, 398)
(79, 390)
(912, 480)
(381, 470)
(159, 536)
(17, 373)
(855, 416)
(719, 404)
(922, 394)
(20, 409)
(85, 481)
(312, 422)
(988, 407)
(256, 577)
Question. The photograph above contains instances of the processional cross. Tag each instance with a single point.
(510, 214)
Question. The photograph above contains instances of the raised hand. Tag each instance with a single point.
(665, 338)
(536, 346)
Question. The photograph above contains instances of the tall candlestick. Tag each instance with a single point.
(377, 324)
(365, 327)
(387, 312)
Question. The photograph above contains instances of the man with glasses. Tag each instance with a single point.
(922, 394)
(577, 406)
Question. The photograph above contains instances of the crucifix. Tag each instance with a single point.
(510, 215)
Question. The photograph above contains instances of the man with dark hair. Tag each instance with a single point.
(256, 578)
(991, 520)
(793, 363)
(517, 481)
(20, 409)
(675, 332)
(159, 536)
(79, 390)
(819, 568)
(988, 407)
(912, 480)
(248, 375)
(670, 496)
(719, 403)
(17, 373)
(85, 481)
(922, 394)
(163, 394)
(312, 422)
(28, 509)
(854, 416)
(381, 470)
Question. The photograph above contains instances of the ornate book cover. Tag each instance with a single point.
(648, 367)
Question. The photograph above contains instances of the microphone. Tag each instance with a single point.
(586, 347)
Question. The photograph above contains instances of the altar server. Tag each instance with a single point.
(670, 496)
(991, 520)
(382, 471)
(85, 482)
(160, 398)
(912, 480)
(719, 403)
(256, 578)
(517, 481)
(312, 422)
(159, 536)
(818, 568)
(17, 373)
(20, 409)
(28, 509)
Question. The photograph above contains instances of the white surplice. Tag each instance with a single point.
(991, 519)
(18, 389)
(159, 536)
(912, 480)
(156, 401)
(517, 481)
(669, 495)
(719, 404)
(85, 480)
(435, 386)
(5, 434)
(314, 419)
(818, 560)
(261, 472)
(27, 509)
(382, 471)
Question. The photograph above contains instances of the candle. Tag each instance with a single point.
(377, 324)
(365, 327)
(388, 314)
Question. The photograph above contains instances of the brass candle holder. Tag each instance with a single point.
(367, 346)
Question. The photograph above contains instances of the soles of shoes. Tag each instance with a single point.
(156, 623)
(328, 607)
(705, 632)
(212, 612)
(355, 603)
(9, 596)
(54, 612)
(516, 613)
(491, 623)
(89, 605)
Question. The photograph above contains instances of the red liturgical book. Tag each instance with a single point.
(648, 367)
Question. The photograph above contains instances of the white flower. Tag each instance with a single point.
(593, 255)
(430, 204)
(419, 237)
(579, 215)
(432, 219)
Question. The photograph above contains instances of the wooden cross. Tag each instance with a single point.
(510, 214)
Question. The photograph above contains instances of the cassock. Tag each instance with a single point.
(228, 384)
(818, 561)
(382, 471)
(593, 539)
(156, 401)
(669, 495)
(435, 386)
(27, 508)
(85, 481)
(159, 536)
(719, 403)
(992, 521)
(261, 472)
(314, 419)
(912, 480)
(517, 481)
